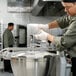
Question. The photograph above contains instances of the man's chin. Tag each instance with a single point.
(69, 14)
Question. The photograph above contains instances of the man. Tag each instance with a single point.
(8, 41)
(8, 36)
(68, 40)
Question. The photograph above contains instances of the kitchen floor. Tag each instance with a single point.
(5, 74)
(8, 74)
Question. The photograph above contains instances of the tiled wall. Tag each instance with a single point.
(22, 18)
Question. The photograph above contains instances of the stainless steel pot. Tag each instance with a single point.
(29, 64)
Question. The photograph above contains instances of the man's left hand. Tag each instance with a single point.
(41, 36)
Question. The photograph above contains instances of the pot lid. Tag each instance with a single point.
(31, 54)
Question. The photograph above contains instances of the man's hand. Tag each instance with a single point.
(41, 36)
(43, 26)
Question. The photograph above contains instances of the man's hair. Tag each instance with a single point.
(69, 0)
(10, 24)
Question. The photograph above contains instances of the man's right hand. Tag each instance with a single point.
(43, 26)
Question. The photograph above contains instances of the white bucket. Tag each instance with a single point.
(68, 70)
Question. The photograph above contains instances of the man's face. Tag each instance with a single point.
(70, 8)
(11, 28)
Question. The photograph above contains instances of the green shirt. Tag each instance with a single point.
(68, 40)
(8, 39)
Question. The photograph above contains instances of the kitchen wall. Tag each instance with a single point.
(21, 18)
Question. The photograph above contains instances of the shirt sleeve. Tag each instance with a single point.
(63, 21)
(68, 39)
(6, 43)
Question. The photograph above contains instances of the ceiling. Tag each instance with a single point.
(51, 0)
(20, 3)
(36, 7)
(19, 6)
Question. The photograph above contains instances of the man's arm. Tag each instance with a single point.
(67, 40)
(61, 22)
(5, 39)
(64, 42)
(53, 24)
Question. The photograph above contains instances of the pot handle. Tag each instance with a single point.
(47, 56)
(22, 56)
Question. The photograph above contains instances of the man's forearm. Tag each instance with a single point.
(53, 24)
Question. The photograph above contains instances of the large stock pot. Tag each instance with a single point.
(30, 63)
